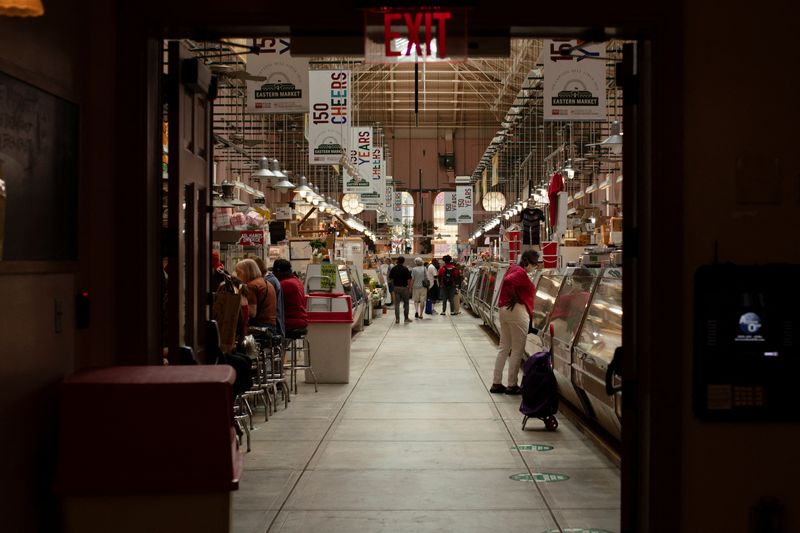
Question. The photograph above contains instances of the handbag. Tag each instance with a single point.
(227, 306)
(426, 283)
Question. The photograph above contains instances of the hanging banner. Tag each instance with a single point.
(574, 83)
(388, 199)
(374, 199)
(495, 163)
(397, 208)
(450, 207)
(464, 202)
(361, 159)
(285, 89)
(329, 116)
(484, 183)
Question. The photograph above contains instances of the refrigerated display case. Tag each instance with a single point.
(600, 335)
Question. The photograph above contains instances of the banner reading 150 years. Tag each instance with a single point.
(329, 116)
(284, 88)
(361, 158)
(574, 83)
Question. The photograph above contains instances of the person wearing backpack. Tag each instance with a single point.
(449, 282)
(515, 305)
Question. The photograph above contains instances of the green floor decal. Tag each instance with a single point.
(532, 448)
(540, 477)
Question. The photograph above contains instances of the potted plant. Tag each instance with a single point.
(317, 248)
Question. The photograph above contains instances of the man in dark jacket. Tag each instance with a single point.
(400, 277)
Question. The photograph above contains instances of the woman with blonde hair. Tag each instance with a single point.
(261, 299)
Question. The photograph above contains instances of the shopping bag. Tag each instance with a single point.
(227, 306)
(429, 307)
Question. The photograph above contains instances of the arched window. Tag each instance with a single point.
(448, 232)
(407, 203)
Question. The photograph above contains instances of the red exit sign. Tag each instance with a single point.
(416, 34)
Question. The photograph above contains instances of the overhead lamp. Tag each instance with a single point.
(275, 166)
(569, 172)
(304, 190)
(263, 169)
(284, 185)
(614, 141)
(316, 199)
(219, 201)
(21, 8)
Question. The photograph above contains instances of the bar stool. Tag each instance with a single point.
(293, 336)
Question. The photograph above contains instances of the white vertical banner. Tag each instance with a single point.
(361, 159)
(285, 89)
(374, 198)
(329, 116)
(388, 202)
(450, 207)
(574, 83)
(397, 208)
(464, 204)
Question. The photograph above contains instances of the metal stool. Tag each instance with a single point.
(240, 417)
(270, 367)
(293, 336)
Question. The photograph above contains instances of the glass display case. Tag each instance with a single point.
(570, 306)
(546, 292)
(601, 333)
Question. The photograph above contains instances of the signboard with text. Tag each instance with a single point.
(329, 116)
(574, 80)
(285, 89)
(251, 238)
(464, 201)
(388, 202)
(374, 198)
(361, 159)
(450, 207)
(415, 34)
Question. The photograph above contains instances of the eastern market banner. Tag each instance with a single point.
(286, 88)
(574, 84)
(361, 157)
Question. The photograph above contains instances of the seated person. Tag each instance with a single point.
(261, 298)
(294, 296)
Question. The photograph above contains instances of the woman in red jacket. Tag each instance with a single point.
(294, 296)
(516, 307)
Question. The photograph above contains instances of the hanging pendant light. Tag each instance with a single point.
(263, 169)
(275, 166)
(284, 185)
(614, 141)
(21, 8)
(303, 190)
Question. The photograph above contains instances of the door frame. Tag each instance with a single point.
(654, 164)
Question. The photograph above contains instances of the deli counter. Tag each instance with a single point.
(584, 307)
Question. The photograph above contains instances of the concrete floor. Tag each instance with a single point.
(416, 443)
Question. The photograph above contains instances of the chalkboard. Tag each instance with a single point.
(39, 164)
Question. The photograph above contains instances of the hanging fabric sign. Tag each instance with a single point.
(450, 207)
(285, 89)
(495, 163)
(388, 199)
(397, 208)
(361, 160)
(374, 198)
(574, 82)
(329, 116)
(464, 201)
(484, 183)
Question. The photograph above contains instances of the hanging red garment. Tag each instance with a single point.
(556, 186)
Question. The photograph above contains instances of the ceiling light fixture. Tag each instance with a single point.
(21, 8)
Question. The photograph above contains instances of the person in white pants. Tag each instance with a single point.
(516, 307)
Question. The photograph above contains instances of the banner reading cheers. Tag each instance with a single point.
(361, 158)
(464, 204)
(329, 116)
(374, 199)
(286, 88)
(574, 84)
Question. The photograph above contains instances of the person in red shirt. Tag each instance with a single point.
(516, 307)
(294, 296)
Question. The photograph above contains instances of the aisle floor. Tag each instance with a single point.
(416, 443)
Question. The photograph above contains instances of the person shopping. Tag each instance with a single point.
(263, 305)
(419, 290)
(516, 307)
(400, 278)
(449, 280)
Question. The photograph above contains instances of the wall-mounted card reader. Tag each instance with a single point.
(747, 343)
